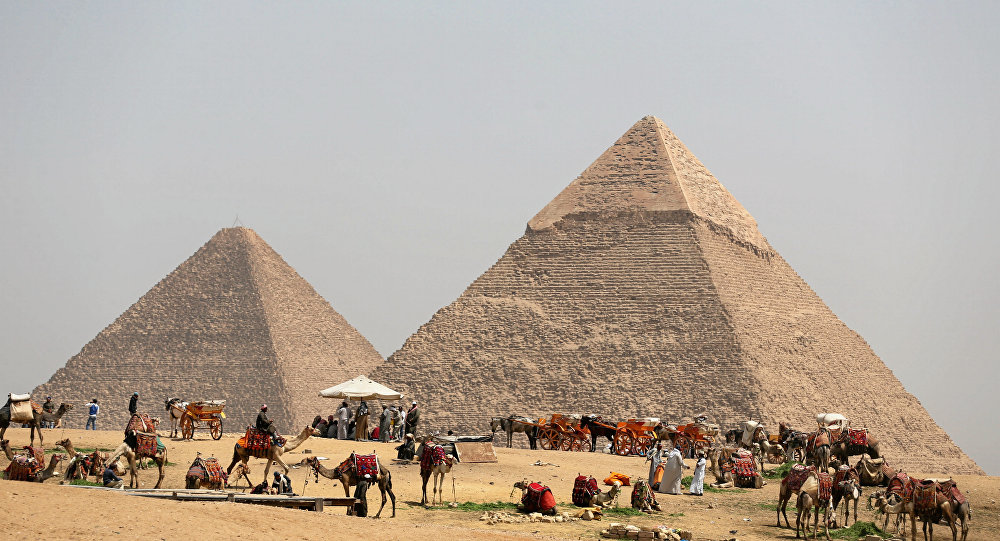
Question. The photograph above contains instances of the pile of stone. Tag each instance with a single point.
(501, 517)
(627, 531)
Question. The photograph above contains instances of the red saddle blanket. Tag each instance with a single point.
(366, 465)
(140, 422)
(256, 442)
(797, 476)
(147, 445)
(38, 453)
(950, 490)
(643, 496)
(538, 498)
(209, 468)
(584, 489)
(924, 496)
(857, 438)
(744, 466)
(900, 485)
(825, 486)
(433, 455)
(845, 472)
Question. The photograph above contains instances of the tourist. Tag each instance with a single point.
(384, 429)
(343, 419)
(133, 403)
(671, 483)
(322, 426)
(282, 484)
(92, 410)
(412, 418)
(110, 479)
(264, 424)
(698, 481)
(405, 449)
(397, 423)
(331, 428)
(361, 430)
(654, 457)
(49, 408)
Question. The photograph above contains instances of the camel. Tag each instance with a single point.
(717, 456)
(893, 504)
(790, 485)
(842, 449)
(818, 450)
(36, 420)
(126, 450)
(437, 470)
(273, 454)
(849, 491)
(606, 499)
(241, 471)
(874, 472)
(809, 499)
(175, 409)
(349, 477)
(890, 503)
(99, 461)
(41, 476)
(598, 427)
(523, 485)
(201, 479)
(513, 424)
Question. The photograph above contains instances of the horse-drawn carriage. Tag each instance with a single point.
(635, 436)
(695, 435)
(562, 432)
(208, 412)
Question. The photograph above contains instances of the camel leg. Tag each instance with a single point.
(382, 488)
(236, 458)
(424, 476)
(783, 510)
(160, 462)
(267, 468)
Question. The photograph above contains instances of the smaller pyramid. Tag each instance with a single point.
(233, 322)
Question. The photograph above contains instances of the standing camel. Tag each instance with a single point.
(818, 449)
(790, 485)
(433, 465)
(849, 491)
(348, 476)
(130, 454)
(36, 420)
(273, 454)
(815, 494)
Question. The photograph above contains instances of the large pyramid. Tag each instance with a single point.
(645, 289)
(233, 322)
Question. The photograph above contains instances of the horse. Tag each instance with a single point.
(175, 408)
(513, 424)
(598, 428)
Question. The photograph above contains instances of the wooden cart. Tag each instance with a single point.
(692, 434)
(635, 436)
(561, 432)
(208, 412)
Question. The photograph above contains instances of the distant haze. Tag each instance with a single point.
(391, 154)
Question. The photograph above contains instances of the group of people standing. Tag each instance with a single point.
(393, 423)
(666, 471)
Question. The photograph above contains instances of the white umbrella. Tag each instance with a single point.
(360, 388)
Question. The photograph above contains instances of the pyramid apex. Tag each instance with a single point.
(648, 169)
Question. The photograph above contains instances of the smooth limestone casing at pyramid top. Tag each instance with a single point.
(645, 289)
(233, 322)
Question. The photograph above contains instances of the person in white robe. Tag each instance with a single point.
(698, 480)
(672, 472)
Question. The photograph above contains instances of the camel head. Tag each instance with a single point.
(64, 407)
(64, 443)
(523, 485)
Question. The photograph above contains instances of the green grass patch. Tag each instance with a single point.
(858, 530)
(768, 506)
(714, 490)
(686, 481)
(676, 515)
(623, 512)
(86, 483)
(779, 472)
(482, 506)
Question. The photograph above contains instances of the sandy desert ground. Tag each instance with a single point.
(51, 511)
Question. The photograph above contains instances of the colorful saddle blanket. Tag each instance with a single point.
(797, 477)
(366, 465)
(538, 498)
(924, 495)
(140, 422)
(433, 455)
(856, 438)
(148, 445)
(209, 468)
(950, 489)
(901, 485)
(584, 488)
(642, 496)
(257, 442)
(744, 465)
(38, 453)
(825, 486)
(845, 472)
(23, 468)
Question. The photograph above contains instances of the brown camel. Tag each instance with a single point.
(98, 462)
(273, 454)
(893, 504)
(125, 450)
(348, 476)
(428, 468)
(849, 491)
(809, 499)
(842, 449)
(36, 420)
(790, 485)
(889, 503)
(39, 477)
(818, 450)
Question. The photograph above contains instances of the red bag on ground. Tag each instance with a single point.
(584, 489)
(538, 498)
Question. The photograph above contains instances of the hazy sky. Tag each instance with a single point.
(391, 153)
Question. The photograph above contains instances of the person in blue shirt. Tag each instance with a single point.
(111, 480)
(92, 410)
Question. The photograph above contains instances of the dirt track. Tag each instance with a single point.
(93, 514)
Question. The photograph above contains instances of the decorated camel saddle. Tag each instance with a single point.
(257, 442)
(364, 465)
(584, 489)
(924, 495)
(950, 490)
(140, 422)
(433, 455)
(208, 468)
(797, 476)
(538, 498)
(146, 444)
(825, 486)
(845, 472)
(643, 497)
(22, 408)
(744, 466)
(27, 466)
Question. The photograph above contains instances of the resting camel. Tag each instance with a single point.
(125, 450)
(274, 453)
(350, 478)
(36, 420)
(99, 461)
(512, 424)
(41, 476)
(175, 409)
(438, 471)
(809, 500)
(605, 499)
(842, 449)
(202, 480)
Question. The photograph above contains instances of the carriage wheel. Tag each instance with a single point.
(187, 428)
(566, 442)
(684, 442)
(583, 444)
(623, 443)
(215, 425)
(548, 439)
(642, 444)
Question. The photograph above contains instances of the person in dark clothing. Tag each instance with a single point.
(331, 428)
(412, 418)
(322, 426)
(111, 480)
(50, 408)
(406, 450)
(264, 424)
(281, 484)
(316, 420)
(133, 404)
